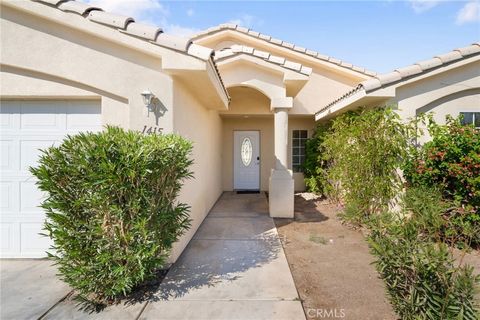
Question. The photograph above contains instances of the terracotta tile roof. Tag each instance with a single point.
(239, 49)
(291, 46)
(408, 72)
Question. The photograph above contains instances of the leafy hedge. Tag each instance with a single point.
(450, 162)
(111, 208)
(422, 277)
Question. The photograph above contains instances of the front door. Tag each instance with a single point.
(246, 160)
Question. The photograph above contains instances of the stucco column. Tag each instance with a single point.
(281, 137)
(281, 181)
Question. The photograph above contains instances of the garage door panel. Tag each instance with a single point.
(30, 151)
(9, 117)
(9, 155)
(30, 197)
(8, 197)
(31, 241)
(83, 116)
(9, 238)
(26, 127)
(43, 116)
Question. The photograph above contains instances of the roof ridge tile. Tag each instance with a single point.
(77, 7)
(284, 44)
(110, 19)
(143, 30)
(264, 55)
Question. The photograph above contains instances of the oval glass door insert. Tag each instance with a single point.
(246, 151)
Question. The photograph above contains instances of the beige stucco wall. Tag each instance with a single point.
(41, 59)
(203, 127)
(447, 93)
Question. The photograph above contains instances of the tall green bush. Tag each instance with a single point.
(315, 167)
(365, 149)
(111, 207)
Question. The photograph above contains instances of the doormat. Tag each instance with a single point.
(247, 191)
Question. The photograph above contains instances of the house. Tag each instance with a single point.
(248, 102)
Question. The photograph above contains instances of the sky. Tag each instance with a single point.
(377, 35)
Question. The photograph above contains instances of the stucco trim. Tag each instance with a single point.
(61, 80)
(403, 75)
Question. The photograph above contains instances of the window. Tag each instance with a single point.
(471, 118)
(246, 152)
(299, 137)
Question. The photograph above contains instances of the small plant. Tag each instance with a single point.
(111, 207)
(318, 239)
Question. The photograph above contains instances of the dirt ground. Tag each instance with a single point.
(331, 265)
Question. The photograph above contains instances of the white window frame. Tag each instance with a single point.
(473, 115)
(292, 147)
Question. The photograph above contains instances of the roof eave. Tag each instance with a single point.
(360, 98)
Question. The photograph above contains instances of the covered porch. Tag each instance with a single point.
(262, 140)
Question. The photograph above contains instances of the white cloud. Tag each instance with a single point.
(420, 6)
(134, 8)
(470, 12)
(247, 20)
(179, 31)
(151, 12)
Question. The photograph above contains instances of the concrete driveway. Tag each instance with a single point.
(233, 268)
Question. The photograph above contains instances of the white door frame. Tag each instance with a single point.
(255, 161)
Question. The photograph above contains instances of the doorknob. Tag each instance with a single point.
(258, 158)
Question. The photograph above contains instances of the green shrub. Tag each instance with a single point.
(451, 163)
(364, 150)
(111, 207)
(315, 167)
(450, 160)
(421, 277)
(441, 219)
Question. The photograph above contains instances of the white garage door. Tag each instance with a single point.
(26, 127)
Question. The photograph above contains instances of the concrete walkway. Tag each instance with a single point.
(234, 268)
